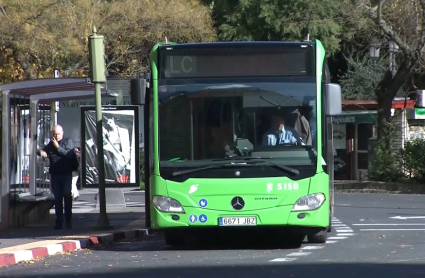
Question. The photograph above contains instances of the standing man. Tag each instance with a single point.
(60, 152)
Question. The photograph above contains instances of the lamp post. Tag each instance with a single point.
(393, 49)
(98, 76)
(374, 50)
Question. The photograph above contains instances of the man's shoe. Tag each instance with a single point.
(68, 225)
(58, 227)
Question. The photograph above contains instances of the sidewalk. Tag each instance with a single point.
(42, 240)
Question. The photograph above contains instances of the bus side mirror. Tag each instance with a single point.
(138, 91)
(334, 99)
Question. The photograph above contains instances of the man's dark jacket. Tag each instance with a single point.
(62, 158)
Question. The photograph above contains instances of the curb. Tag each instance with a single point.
(379, 187)
(16, 257)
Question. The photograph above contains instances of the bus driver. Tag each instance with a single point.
(280, 134)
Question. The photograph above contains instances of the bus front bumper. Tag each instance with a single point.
(281, 216)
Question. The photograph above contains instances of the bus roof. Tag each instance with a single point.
(237, 44)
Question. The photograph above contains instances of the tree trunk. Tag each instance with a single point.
(384, 99)
(385, 93)
(384, 116)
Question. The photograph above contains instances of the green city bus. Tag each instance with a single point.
(239, 135)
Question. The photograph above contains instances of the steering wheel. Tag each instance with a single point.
(286, 145)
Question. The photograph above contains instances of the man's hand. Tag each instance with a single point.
(43, 153)
(55, 143)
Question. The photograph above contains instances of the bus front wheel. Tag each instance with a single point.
(330, 224)
(320, 237)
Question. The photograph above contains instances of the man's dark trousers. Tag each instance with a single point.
(62, 188)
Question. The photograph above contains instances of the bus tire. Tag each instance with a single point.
(320, 237)
(330, 224)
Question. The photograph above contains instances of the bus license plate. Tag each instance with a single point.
(237, 221)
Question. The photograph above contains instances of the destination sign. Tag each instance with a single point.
(233, 62)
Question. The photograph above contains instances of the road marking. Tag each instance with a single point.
(390, 224)
(342, 232)
(298, 254)
(283, 260)
(392, 230)
(312, 247)
(407, 217)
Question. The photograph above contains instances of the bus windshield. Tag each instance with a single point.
(204, 122)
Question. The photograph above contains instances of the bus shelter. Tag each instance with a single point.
(29, 110)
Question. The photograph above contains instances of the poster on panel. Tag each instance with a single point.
(120, 129)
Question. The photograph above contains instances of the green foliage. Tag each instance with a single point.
(395, 165)
(362, 76)
(265, 20)
(386, 166)
(413, 159)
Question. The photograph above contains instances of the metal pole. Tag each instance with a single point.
(103, 220)
(97, 74)
(5, 158)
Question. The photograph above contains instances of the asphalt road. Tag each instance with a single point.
(365, 242)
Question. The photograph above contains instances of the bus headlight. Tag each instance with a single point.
(309, 202)
(167, 204)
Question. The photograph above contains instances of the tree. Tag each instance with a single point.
(256, 20)
(362, 76)
(402, 22)
(45, 35)
(10, 71)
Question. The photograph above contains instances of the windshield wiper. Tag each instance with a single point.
(184, 172)
(257, 160)
(242, 158)
(260, 159)
(290, 170)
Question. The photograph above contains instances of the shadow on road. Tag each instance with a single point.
(285, 269)
(239, 243)
(244, 241)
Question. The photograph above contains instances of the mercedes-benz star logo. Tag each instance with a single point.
(237, 203)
